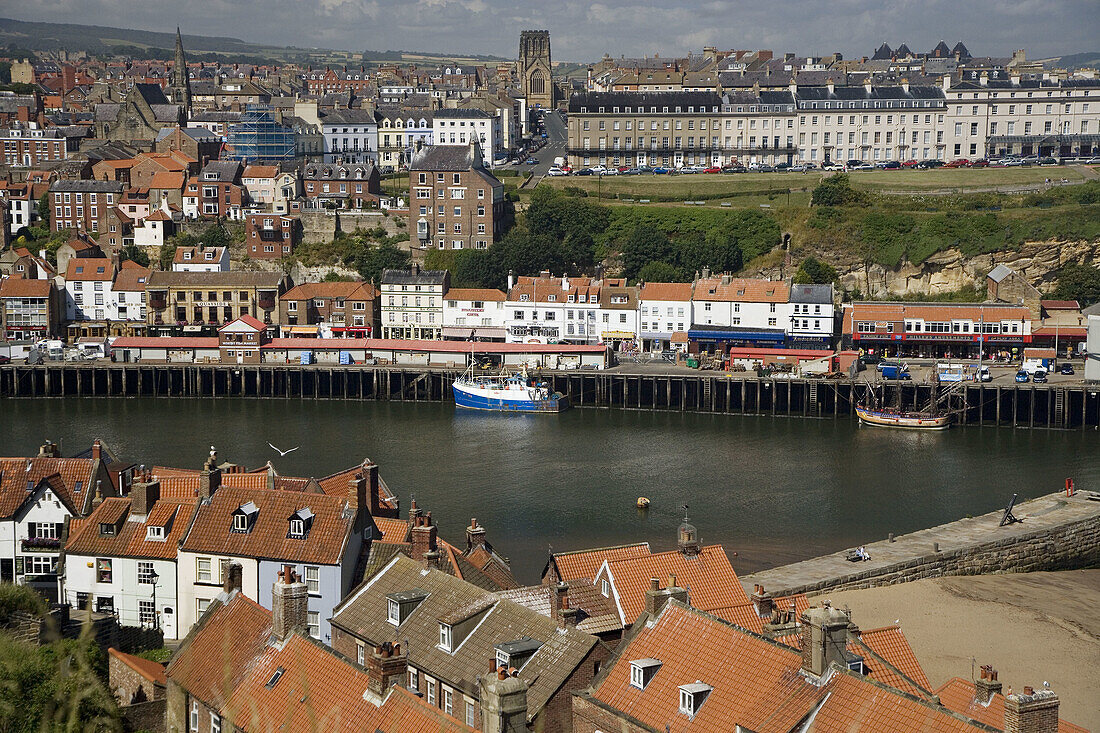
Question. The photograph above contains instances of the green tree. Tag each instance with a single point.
(385, 256)
(643, 245)
(335, 277)
(134, 253)
(836, 190)
(1080, 283)
(660, 272)
(814, 271)
(44, 211)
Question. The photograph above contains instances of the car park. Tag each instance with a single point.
(1022, 376)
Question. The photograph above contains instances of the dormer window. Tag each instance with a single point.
(107, 530)
(445, 637)
(244, 519)
(642, 671)
(186, 255)
(517, 653)
(300, 523)
(154, 532)
(400, 605)
(693, 696)
(552, 298)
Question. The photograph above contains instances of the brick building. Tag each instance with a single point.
(342, 185)
(271, 236)
(29, 309)
(340, 308)
(177, 299)
(454, 202)
(135, 679)
(27, 146)
(86, 206)
(239, 341)
(216, 192)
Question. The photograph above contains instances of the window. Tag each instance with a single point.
(471, 714)
(146, 613)
(194, 717)
(103, 570)
(202, 570)
(145, 572)
(360, 652)
(313, 623)
(215, 723)
(642, 671)
(448, 702)
(313, 579)
(693, 696)
(297, 528)
(431, 692)
(445, 637)
(605, 589)
(414, 679)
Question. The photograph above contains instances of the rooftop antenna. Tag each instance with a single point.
(685, 508)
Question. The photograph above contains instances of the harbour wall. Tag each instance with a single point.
(1070, 407)
(1057, 532)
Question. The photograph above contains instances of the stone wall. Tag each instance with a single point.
(145, 716)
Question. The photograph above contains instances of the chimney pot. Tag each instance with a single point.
(1028, 690)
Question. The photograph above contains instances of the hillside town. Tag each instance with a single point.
(206, 230)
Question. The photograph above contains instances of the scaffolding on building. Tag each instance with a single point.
(259, 137)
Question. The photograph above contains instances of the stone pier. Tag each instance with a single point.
(1057, 532)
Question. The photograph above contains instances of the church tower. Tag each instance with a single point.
(180, 86)
(534, 69)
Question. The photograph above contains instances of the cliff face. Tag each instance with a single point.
(951, 270)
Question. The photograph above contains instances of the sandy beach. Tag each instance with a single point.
(1031, 627)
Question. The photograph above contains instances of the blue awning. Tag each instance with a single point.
(772, 336)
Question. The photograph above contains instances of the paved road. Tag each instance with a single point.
(556, 136)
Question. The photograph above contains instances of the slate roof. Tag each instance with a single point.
(811, 293)
(420, 277)
(702, 102)
(324, 544)
(445, 158)
(461, 113)
(86, 186)
(349, 117)
(1000, 272)
(595, 614)
(165, 278)
(363, 614)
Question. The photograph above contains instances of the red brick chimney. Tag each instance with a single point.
(97, 450)
(371, 470)
(424, 538)
(143, 495)
(234, 577)
(1031, 712)
(386, 667)
(211, 476)
(357, 491)
(475, 534)
(987, 685)
(289, 603)
(563, 613)
(23, 113)
(762, 601)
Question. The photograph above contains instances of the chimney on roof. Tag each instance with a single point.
(562, 612)
(824, 638)
(234, 577)
(687, 540)
(762, 601)
(143, 495)
(424, 545)
(475, 534)
(1033, 711)
(656, 597)
(905, 85)
(503, 702)
(371, 470)
(49, 449)
(289, 603)
(211, 476)
(386, 667)
(97, 450)
(987, 685)
(98, 498)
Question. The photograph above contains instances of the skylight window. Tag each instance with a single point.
(275, 678)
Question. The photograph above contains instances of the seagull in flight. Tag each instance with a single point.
(283, 452)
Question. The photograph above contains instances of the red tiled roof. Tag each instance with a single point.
(74, 480)
(742, 290)
(586, 563)
(708, 577)
(174, 180)
(490, 294)
(745, 615)
(248, 320)
(346, 290)
(540, 289)
(959, 695)
(890, 644)
(1057, 305)
(90, 268)
(131, 539)
(898, 312)
(857, 704)
(14, 287)
(260, 171)
(152, 671)
(131, 277)
(666, 291)
(324, 543)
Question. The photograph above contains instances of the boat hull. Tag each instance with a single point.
(902, 421)
(479, 399)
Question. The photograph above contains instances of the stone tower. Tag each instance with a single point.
(180, 83)
(534, 68)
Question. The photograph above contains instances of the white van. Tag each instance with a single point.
(1031, 365)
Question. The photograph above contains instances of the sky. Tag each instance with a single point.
(585, 31)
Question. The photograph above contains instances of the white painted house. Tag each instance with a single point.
(460, 126)
(811, 323)
(739, 312)
(89, 290)
(664, 315)
(201, 259)
(476, 313)
(122, 559)
(350, 136)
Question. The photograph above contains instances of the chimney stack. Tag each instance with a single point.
(987, 685)
(475, 534)
(234, 577)
(371, 469)
(49, 450)
(503, 702)
(1031, 712)
(357, 490)
(210, 479)
(289, 603)
(762, 601)
(824, 638)
(97, 450)
(656, 597)
(424, 548)
(143, 495)
(386, 667)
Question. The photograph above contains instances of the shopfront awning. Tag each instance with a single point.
(489, 333)
(302, 330)
(616, 335)
(451, 332)
(746, 335)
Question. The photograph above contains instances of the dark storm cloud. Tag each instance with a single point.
(583, 31)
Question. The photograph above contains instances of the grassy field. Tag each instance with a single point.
(712, 187)
(960, 178)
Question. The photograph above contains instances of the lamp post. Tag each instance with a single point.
(156, 616)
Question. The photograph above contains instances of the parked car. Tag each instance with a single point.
(611, 172)
(888, 363)
(1022, 376)
(1066, 369)
(980, 163)
(1040, 376)
(734, 169)
(798, 168)
(764, 168)
(910, 164)
(556, 172)
(958, 163)
(891, 165)
(929, 164)
(984, 375)
(861, 166)
(632, 171)
(531, 161)
(833, 167)
(584, 172)
(895, 371)
(1030, 160)
(1048, 161)
(712, 169)
(4, 359)
(660, 171)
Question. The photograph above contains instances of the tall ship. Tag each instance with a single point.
(932, 417)
(506, 393)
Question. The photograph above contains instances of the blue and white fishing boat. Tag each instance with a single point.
(506, 393)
